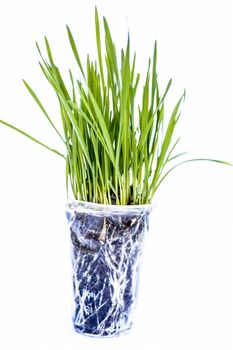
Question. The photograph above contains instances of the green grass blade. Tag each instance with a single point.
(49, 51)
(111, 51)
(184, 162)
(144, 133)
(166, 143)
(103, 127)
(32, 138)
(77, 130)
(74, 49)
(154, 74)
(98, 42)
(33, 94)
(166, 91)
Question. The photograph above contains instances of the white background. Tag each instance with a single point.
(185, 300)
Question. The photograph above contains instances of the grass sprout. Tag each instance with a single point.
(116, 152)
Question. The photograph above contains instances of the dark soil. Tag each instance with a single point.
(106, 254)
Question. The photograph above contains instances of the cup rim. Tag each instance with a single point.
(85, 206)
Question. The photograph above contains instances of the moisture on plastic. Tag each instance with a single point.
(106, 243)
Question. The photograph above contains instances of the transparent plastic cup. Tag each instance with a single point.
(107, 243)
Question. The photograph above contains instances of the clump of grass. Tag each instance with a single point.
(116, 152)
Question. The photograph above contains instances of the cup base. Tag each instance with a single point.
(102, 335)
